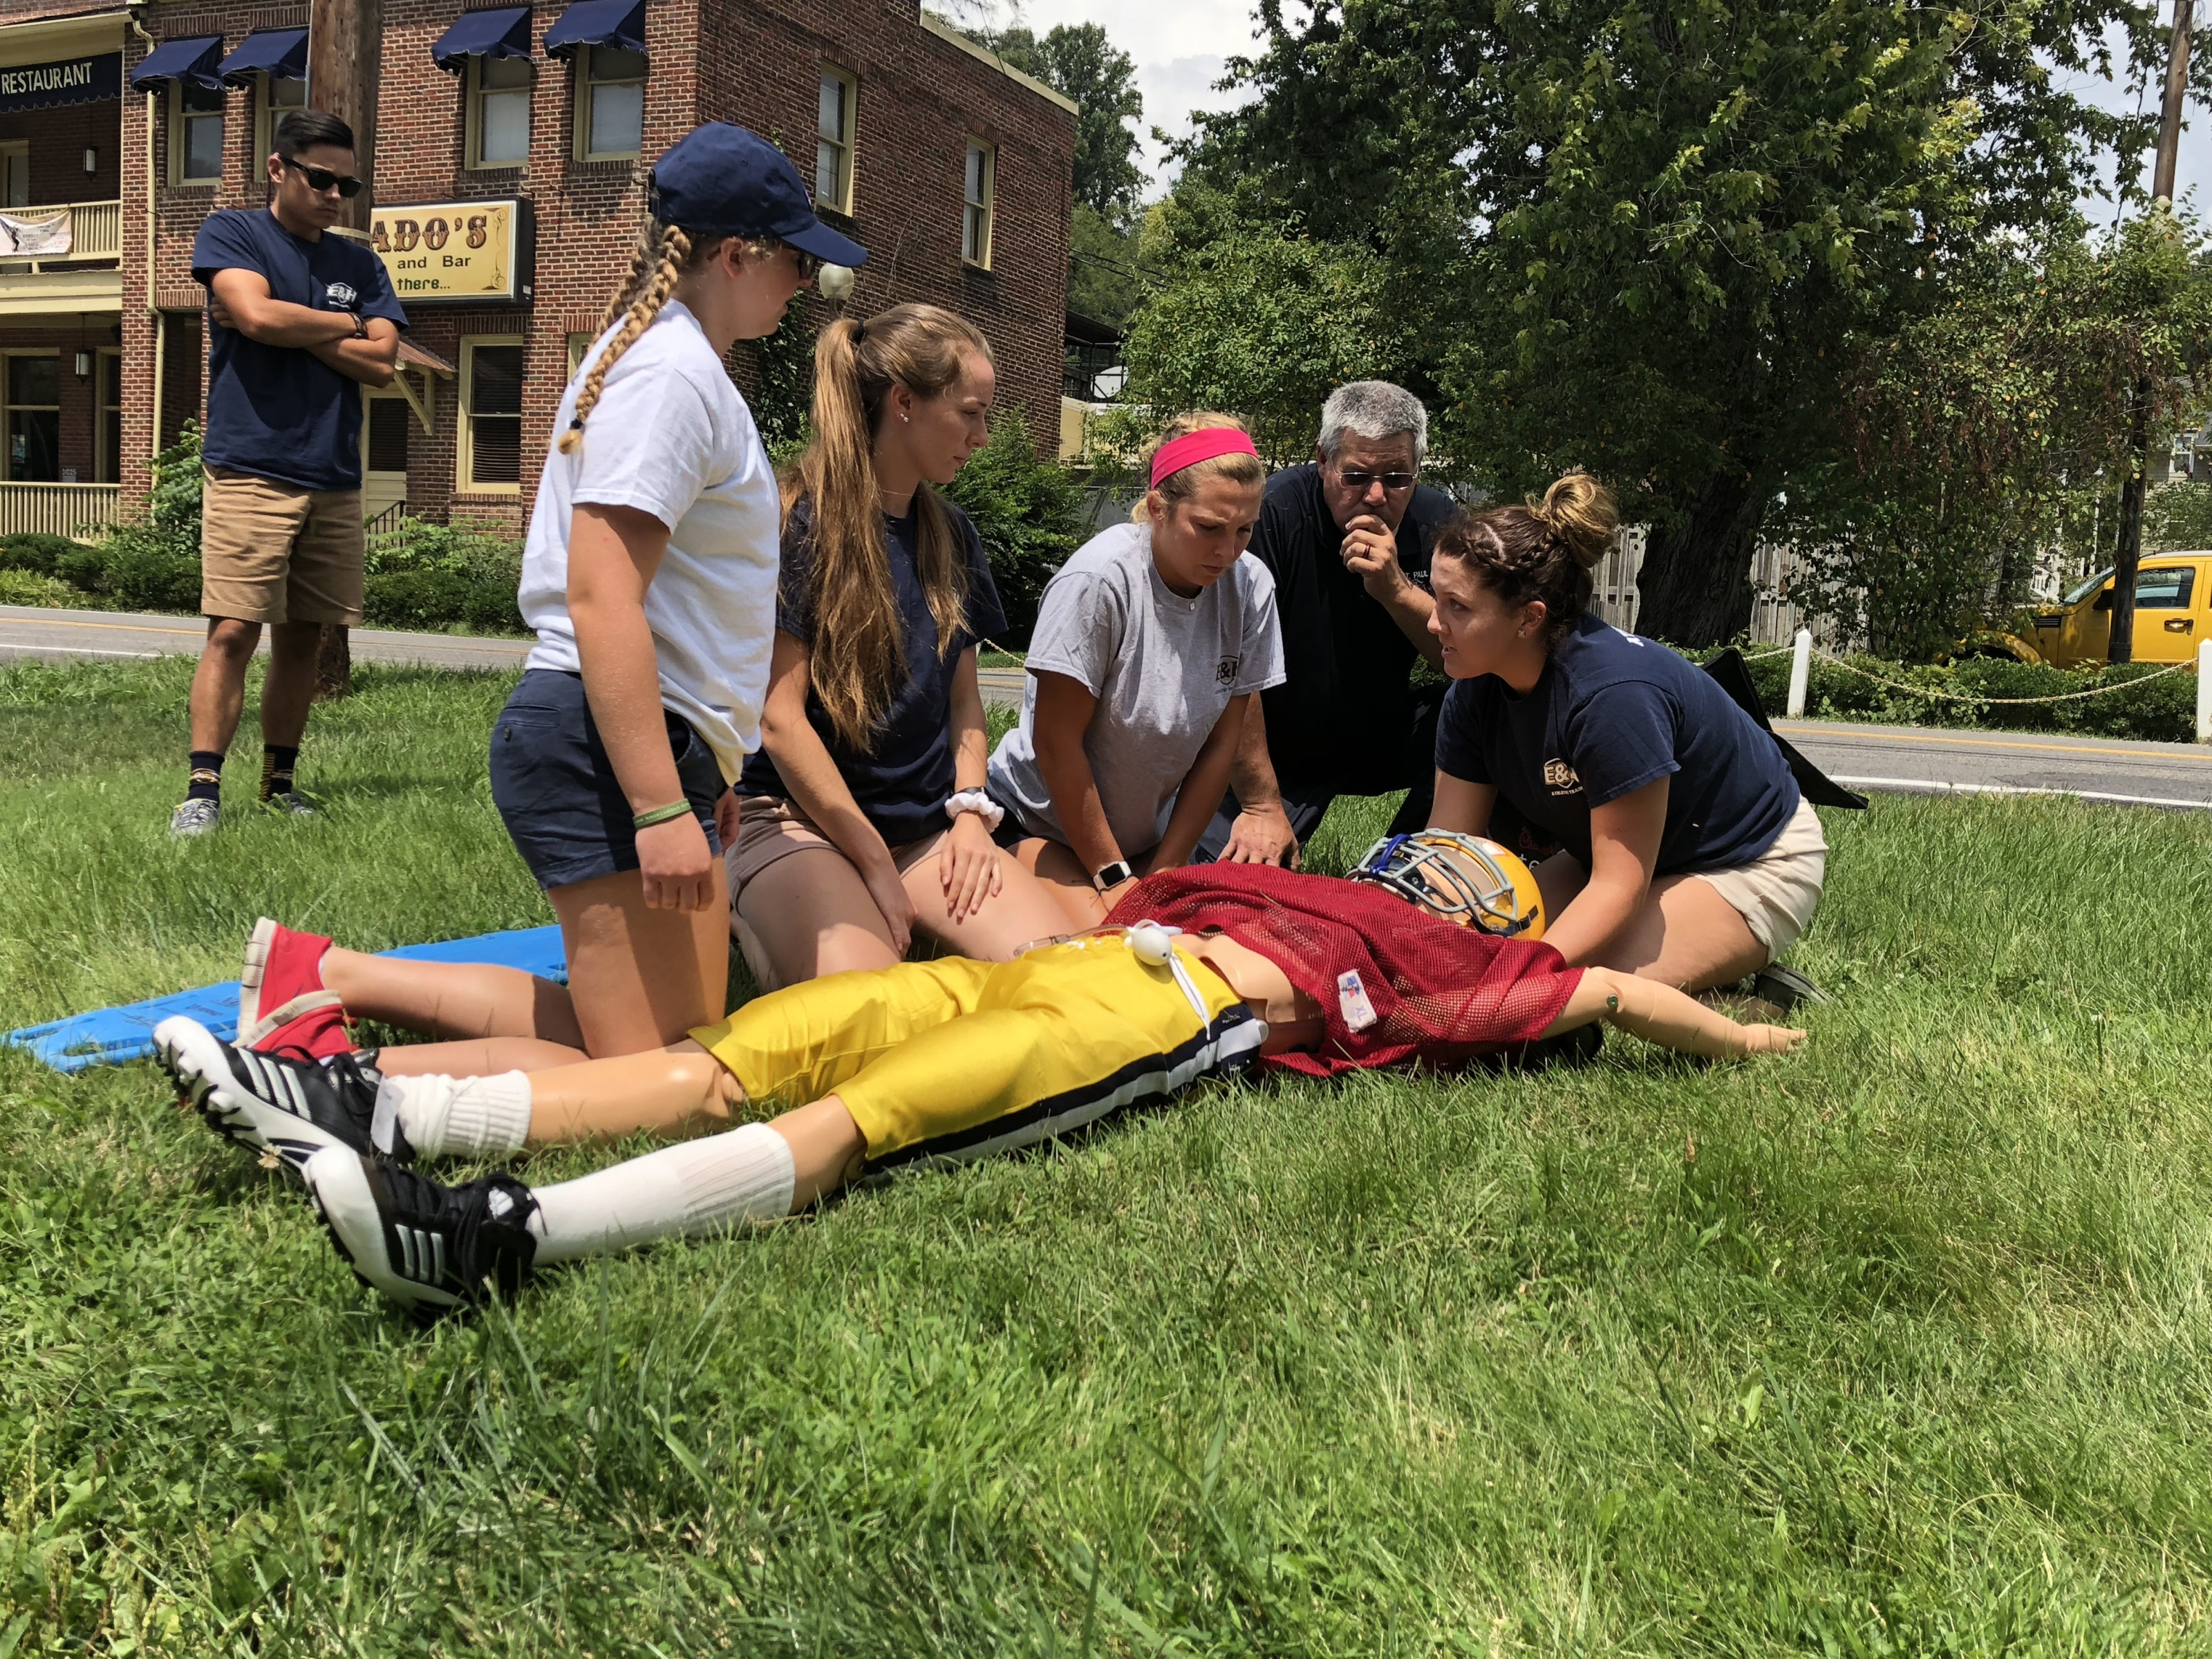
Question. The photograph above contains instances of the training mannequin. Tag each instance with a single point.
(1431, 957)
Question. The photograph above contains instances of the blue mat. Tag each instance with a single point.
(108, 1036)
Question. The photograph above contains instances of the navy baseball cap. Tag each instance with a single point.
(721, 180)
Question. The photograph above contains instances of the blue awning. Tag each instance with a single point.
(617, 23)
(280, 54)
(193, 62)
(502, 32)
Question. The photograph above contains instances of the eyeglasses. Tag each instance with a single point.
(1391, 482)
(321, 180)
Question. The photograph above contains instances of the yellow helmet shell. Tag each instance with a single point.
(1469, 879)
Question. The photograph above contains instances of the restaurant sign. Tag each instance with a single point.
(475, 251)
(65, 80)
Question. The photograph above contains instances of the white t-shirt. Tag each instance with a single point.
(1162, 666)
(671, 436)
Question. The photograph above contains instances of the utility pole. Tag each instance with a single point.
(345, 41)
(2129, 560)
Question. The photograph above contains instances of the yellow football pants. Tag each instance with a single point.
(951, 1059)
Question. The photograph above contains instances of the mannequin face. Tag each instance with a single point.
(1481, 634)
(936, 435)
(1196, 540)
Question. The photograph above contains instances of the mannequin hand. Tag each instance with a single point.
(968, 867)
(675, 864)
(1262, 835)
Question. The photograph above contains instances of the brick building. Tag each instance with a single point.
(506, 167)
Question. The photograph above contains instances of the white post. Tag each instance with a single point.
(2204, 692)
(1800, 676)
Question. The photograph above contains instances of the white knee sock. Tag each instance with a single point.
(454, 1117)
(699, 1186)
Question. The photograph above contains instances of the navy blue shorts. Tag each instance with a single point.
(556, 788)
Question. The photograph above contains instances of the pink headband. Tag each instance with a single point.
(1203, 445)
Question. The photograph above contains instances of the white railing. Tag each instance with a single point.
(95, 231)
(58, 509)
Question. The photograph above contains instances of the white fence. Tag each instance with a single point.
(81, 511)
(1775, 618)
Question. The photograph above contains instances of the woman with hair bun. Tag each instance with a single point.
(1149, 646)
(1688, 854)
(865, 817)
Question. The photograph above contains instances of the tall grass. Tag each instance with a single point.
(1897, 1346)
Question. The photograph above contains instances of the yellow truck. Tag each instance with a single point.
(2173, 613)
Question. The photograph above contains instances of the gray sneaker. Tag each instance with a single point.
(289, 803)
(195, 817)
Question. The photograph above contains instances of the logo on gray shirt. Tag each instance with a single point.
(1224, 672)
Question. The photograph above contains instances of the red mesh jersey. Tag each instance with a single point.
(1440, 993)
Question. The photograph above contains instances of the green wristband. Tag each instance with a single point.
(675, 809)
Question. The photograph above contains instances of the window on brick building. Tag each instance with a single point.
(578, 345)
(975, 216)
(195, 134)
(107, 418)
(277, 99)
(491, 415)
(499, 112)
(833, 143)
(610, 104)
(34, 390)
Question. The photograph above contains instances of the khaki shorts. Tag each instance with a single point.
(770, 828)
(273, 552)
(1776, 892)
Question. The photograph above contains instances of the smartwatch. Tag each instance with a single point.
(1112, 875)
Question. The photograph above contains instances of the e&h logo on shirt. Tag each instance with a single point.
(1560, 778)
(342, 295)
(1224, 672)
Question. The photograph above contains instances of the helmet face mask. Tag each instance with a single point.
(1459, 879)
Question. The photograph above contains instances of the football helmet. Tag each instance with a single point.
(1462, 878)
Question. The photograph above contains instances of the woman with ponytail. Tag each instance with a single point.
(1688, 855)
(864, 814)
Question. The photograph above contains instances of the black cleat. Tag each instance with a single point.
(1785, 988)
(429, 1246)
(273, 1104)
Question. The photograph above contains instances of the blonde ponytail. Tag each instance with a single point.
(858, 658)
(1581, 515)
(669, 251)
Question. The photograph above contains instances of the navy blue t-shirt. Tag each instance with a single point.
(1613, 713)
(280, 412)
(900, 781)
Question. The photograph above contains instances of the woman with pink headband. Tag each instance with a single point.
(1149, 645)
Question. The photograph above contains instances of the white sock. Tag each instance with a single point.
(699, 1186)
(454, 1117)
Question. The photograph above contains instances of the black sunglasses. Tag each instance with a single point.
(1392, 481)
(321, 180)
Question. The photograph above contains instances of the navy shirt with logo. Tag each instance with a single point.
(1613, 713)
(280, 412)
(900, 779)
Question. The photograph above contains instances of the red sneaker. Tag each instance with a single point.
(282, 1003)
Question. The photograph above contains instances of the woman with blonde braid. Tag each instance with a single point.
(864, 813)
(649, 575)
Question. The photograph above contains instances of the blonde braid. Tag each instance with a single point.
(675, 252)
(643, 259)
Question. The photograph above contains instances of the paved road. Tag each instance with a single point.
(1907, 759)
(28, 633)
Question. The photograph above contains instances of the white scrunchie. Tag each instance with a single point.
(975, 801)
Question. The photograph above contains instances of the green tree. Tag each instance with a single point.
(1981, 433)
(1252, 318)
(1644, 238)
(1079, 62)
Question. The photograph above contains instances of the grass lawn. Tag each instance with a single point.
(1899, 1346)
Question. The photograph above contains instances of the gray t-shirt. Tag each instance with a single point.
(1163, 668)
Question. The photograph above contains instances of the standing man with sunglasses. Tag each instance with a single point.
(298, 321)
(1347, 537)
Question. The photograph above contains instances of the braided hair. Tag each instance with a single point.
(1545, 550)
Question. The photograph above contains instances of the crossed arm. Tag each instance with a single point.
(240, 300)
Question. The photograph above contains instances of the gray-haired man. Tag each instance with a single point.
(1347, 538)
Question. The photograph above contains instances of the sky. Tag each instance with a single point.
(1181, 45)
